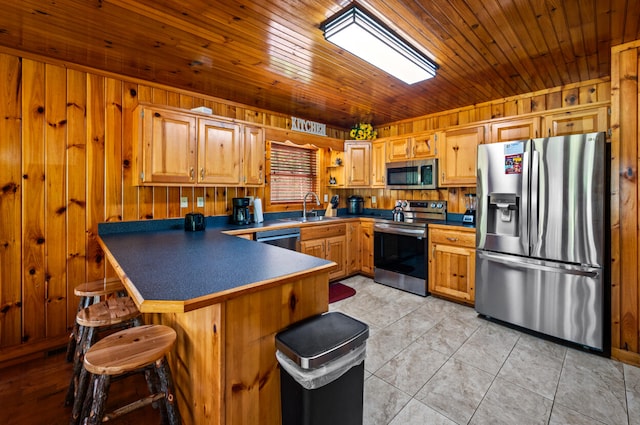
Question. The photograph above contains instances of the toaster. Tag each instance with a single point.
(194, 222)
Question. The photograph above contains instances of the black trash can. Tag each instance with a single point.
(322, 370)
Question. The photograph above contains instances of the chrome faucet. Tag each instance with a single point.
(304, 204)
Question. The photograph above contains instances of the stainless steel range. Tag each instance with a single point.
(399, 249)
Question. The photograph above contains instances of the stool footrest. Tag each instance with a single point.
(143, 402)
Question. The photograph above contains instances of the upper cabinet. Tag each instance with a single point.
(253, 158)
(357, 163)
(420, 145)
(587, 120)
(458, 151)
(168, 146)
(378, 164)
(181, 148)
(219, 152)
(515, 129)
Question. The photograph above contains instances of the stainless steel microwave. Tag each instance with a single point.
(417, 174)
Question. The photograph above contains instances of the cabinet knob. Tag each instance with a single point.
(450, 239)
(191, 173)
(202, 173)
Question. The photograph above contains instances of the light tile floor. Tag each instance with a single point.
(430, 361)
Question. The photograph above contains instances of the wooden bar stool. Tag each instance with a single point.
(142, 348)
(92, 293)
(110, 314)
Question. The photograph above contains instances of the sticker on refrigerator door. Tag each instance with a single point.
(513, 164)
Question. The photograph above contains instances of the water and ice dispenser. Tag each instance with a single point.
(503, 215)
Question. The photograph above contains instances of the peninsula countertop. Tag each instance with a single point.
(178, 271)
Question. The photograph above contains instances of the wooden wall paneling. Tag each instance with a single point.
(129, 191)
(221, 202)
(55, 206)
(76, 186)
(95, 173)
(628, 119)
(113, 150)
(145, 193)
(160, 202)
(33, 202)
(198, 192)
(616, 327)
(187, 192)
(10, 201)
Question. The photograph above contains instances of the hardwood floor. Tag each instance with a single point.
(33, 393)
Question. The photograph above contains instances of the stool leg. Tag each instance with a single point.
(80, 380)
(78, 358)
(100, 392)
(166, 386)
(73, 338)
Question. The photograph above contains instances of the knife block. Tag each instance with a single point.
(331, 211)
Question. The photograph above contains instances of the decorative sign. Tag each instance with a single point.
(311, 127)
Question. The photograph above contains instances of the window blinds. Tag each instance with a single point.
(293, 172)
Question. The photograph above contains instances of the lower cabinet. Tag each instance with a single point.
(328, 242)
(366, 248)
(354, 261)
(452, 263)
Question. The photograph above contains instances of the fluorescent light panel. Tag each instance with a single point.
(360, 34)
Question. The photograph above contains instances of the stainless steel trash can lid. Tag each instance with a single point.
(320, 339)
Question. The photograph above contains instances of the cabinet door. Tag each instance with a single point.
(253, 158)
(354, 260)
(366, 248)
(336, 250)
(358, 163)
(458, 153)
(378, 164)
(314, 248)
(576, 122)
(452, 272)
(168, 145)
(516, 129)
(423, 145)
(219, 153)
(398, 149)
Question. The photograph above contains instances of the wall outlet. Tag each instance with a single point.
(326, 198)
(373, 199)
(184, 202)
(200, 201)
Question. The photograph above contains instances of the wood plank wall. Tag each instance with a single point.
(625, 193)
(65, 166)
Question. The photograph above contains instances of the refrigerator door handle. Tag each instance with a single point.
(535, 167)
(519, 263)
(524, 212)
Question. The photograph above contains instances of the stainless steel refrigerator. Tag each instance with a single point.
(542, 217)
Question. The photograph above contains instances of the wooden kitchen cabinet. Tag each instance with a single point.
(457, 153)
(366, 247)
(253, 158)
(181, 148)
(354, 260)
(515, 129)
(167, 148)
(219, 152)
(357, 163)
(328, 242)
(414, 146)
(578, 121)
(378, 164)
(452, 263)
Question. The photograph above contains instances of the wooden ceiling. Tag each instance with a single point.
(271, 54)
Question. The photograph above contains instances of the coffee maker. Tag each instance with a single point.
(240, 211)
(469, 216)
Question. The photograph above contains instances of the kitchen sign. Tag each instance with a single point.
(310, 127)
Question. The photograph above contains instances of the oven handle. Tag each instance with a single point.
(399, 230)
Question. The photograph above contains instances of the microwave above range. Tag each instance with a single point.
(418, 174)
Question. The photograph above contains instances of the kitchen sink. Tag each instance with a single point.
(308, 219)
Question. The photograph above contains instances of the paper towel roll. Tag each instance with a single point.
(257, 211)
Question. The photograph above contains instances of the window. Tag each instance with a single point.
(293, 172)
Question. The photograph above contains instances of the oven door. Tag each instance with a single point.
(399, 257)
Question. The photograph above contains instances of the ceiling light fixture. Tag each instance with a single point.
(361, 34)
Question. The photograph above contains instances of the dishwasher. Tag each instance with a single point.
(284, 238)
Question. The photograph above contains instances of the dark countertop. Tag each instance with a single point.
(174, 270)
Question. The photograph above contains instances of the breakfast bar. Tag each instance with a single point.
(226, 297)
